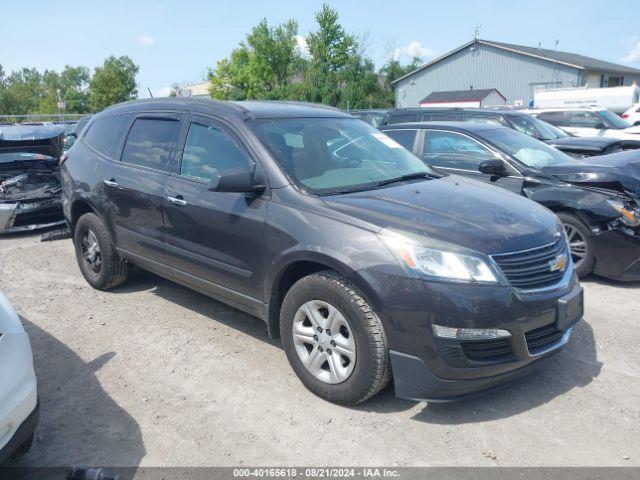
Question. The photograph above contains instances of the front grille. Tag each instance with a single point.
(542, 338)
(531, 269)
(496, 350)
(39, 217)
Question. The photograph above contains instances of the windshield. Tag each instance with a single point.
(533, 153)
(335, 155)
(535, 128)
(614, 120)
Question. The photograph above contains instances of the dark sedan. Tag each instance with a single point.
(596, 199)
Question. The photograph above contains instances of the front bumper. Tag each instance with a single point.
(27, 216)
(426, 367)
(617, 254)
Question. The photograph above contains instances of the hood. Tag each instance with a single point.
(454, 210)
(44, 140)
(583, 143)
(618, 171)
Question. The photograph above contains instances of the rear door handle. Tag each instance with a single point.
(111, 183)
(178, 201)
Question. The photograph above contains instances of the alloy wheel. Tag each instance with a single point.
(91, 252)
(577, 244)
(324, 341)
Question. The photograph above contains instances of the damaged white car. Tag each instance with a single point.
(30, 191)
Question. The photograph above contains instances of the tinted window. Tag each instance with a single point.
(208, 150)
(454, 150)
(149, 142)
(492, 120)
(332, 155)
(554, 118)
(439, 117)
(403, 137)
(535, 128)
(105, 134)
(401, 118)
(583, 119)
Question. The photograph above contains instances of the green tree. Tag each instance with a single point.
(261, 67)
(113, 82)
(391, 71)
(333, 55)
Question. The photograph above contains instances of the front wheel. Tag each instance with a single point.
(580, 244)
(333, 339)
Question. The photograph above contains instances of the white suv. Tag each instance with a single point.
(588, 122)
(19, 408)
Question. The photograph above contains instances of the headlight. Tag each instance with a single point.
(629, 214)
(438, 263)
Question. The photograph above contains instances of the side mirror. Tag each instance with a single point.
(69, 140)
(238, 180)
(493, 167)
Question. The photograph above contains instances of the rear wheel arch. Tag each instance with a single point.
(78, 208)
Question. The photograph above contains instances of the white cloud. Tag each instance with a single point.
(161, 92)
(633, 55)
(413, 49)
(146, 40)
(301, 44)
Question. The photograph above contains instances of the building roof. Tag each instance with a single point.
(570, 59)
(460, 96)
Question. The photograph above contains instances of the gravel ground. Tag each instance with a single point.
(154, 374)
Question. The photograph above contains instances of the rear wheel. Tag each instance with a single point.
(100, 264)
(580, 244)
(333, 339)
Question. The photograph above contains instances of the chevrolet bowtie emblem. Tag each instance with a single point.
(559, 263)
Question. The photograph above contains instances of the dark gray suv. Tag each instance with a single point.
(366, 262)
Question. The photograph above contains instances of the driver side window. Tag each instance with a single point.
(454, 150)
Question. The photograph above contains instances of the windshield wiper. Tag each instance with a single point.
(408, 176)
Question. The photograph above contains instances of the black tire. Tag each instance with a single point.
(586, 264)
(112, 270)
(24, 448)
(372, 369)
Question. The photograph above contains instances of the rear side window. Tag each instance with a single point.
(439, 117)
(554, 118)
(105, 134)
(406, 138)
(208, 150)
(150, 141)
(401, 118)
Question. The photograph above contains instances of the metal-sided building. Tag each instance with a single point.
(516, 71)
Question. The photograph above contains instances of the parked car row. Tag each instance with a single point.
(570, 143)
(411, 253)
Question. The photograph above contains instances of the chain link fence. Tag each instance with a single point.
(37, 118)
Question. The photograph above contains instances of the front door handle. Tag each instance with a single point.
(178, 201)
(111, 183)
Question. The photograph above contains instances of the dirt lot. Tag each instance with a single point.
(155, 374)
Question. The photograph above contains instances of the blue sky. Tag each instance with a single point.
(176, 41)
